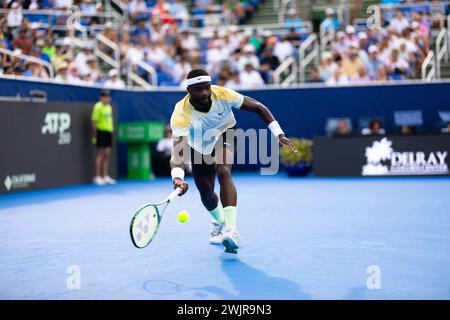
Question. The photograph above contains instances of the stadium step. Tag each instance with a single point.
(265, 14)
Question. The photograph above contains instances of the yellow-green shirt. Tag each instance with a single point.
(103, 117)
(203, 129)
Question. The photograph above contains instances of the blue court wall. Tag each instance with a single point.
(302, 112)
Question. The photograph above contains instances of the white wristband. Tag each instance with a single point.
(274, 126)
(177, 173)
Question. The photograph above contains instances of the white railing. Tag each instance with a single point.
(112, 61)
(441, 50)
(282, 10)
(307, 53)
(275, 28)
(429, 62)
(73, 24)
(49, 66)
(53, 14)
(288, 66)
(448, 31)
(133, 76)
(327, 39)
(276, 4)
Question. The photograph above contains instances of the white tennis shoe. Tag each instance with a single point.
(231, 240)
(109, 180)
(216, 232)
(99, 181)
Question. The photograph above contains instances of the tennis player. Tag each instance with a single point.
(204, 121)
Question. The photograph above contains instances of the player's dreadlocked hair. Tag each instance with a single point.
(197, 73)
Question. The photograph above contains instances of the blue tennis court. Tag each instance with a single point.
(301, 239)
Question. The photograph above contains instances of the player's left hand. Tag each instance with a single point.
(283, 141)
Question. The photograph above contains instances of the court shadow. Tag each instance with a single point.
(252, 283)
(248, 283)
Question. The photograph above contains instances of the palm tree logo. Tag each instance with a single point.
(379, 151)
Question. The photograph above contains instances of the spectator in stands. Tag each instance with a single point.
(62, 4)
(180, 13)
(136, 9)
(35, 70)
(362, 77)
(114, 81)
(234, 81)
(248, 57)
(95, 74)
(330, 23)
(338, 78)
(351, 39)
(340, 46)
(102, 137)
(61, 72)
(326, 66)
(15, 16)
(283, 49)
(68, 49)
(352, 66)
(373, 63)
(363, 41)
(269, 63)
(374, 128)
(405, 129)
(82, 58)
(314, 76)
(234, 12)
(181, 69)
(396, 66)
(342, 128)
(215, 55)
(73, 76)
(293, 20)
(399, 23)
(23, 42)
(49, 48)
(437, 13)
(250, 77)
(189, 44)
(140, 30)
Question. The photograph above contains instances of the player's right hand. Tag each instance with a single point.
(180, 183)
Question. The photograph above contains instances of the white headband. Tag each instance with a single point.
(200, 79)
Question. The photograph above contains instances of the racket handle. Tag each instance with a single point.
(174, 194)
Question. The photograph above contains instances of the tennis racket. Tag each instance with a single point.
(145, 222)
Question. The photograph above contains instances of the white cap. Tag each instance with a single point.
(112, 73)
(362, 35)
(14, 5)
(249, 48)
(35, 25)
(292, 11)
(108, 25)
(373, 49)
(329, 11)
(267, 33)
(234, 29)
(67, 41)
(326, 55)
(340, 34)
(350, 29)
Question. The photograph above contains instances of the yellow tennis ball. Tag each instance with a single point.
(183, 216)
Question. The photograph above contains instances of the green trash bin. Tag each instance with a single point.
(138, 136)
